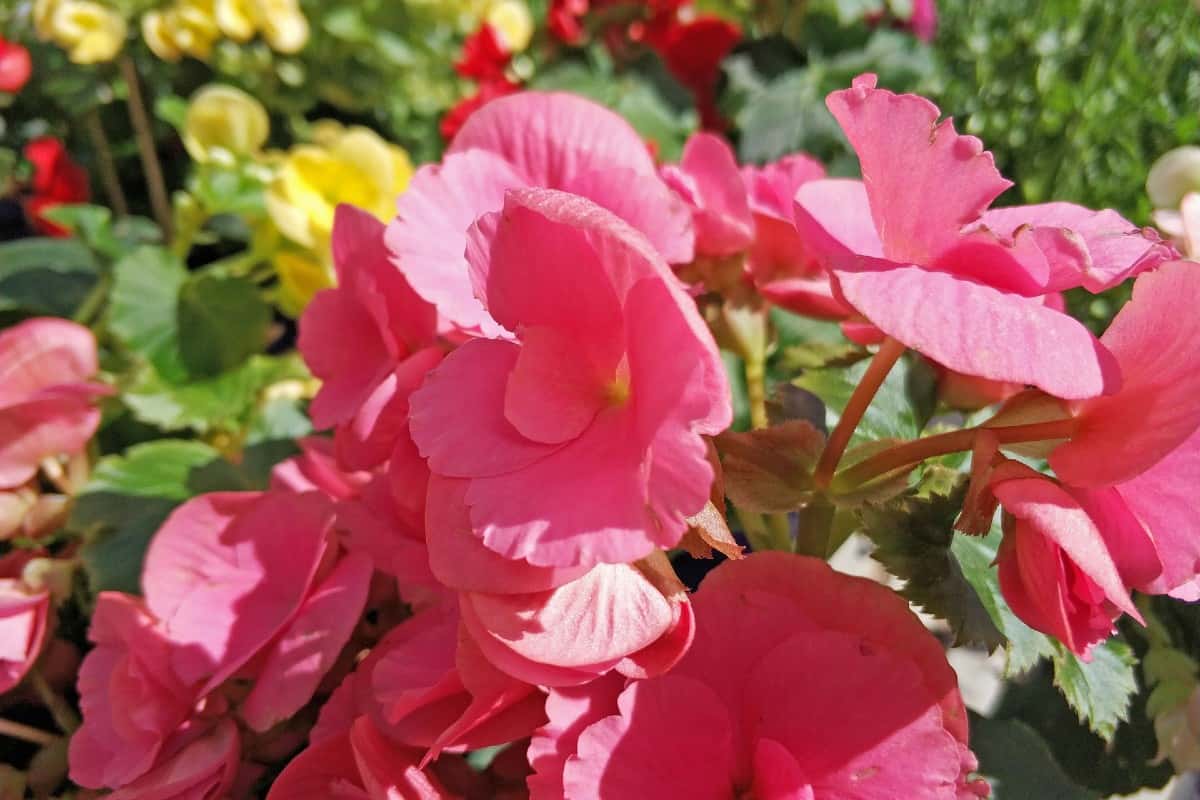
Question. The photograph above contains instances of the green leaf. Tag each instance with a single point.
(225, 402)
(736, 371)
(1099, 690)
(913, 535)
(1018, 763)
(222, 322)
(46, 276)
(126, 500)
(94, 225)
(976, 555)
(894, 413)
(142, 311)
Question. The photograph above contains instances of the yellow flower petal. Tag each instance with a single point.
(514, 23)
(283, 25)
(301, 275)
(226, 119)
(89, 32)
(237, 19)
(158, 37)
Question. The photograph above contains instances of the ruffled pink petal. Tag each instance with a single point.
(670, 740)
(741, 603)
(214, 577)
(773, 187)
(57, 421)
(861, 724)
(981, 331)
(428, 237)
(1127, 541)
(23, 617)
(777, 776)
(204, 769)
(460, 560)
(646, 204)
(316, 470)
(587, 625)
(1164, 499)
(833, 217)
(1114, 247)
(457, 417)
(44, 352)
(549, 138)
(326, 770)
(708, 179)
(924, 180)
(308, 647)
(571, 710)
(1125, 433)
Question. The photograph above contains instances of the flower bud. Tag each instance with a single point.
(90, 32)
(222, 123)
(512, 20)
(1173, 175)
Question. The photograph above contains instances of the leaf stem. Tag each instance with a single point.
(64, 716)
(105, 163)
(918, 450)
(877, 371)
(26, 733)
(756, 391)
(155, 184)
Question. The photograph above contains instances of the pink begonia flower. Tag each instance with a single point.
(228, 602)
(530, 139)
(358, 764)
(132, 700)
(1069, 557)
(582, 439)
(924, 19)
(914, 249)
(47, 404)
(426, 685)
(24, 616)
(708, 180)
(876, 712)
(370, 339)
(555, 626)
(1121, 435)
(316, 469)
(205, 768)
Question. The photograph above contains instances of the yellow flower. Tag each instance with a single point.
(222, 123)
(283, 25)
(237, 19)
(43, 12)
(193, 26)
(301, 275)
(343, 165)
(514, 23)
(157, 36)
(89, 32)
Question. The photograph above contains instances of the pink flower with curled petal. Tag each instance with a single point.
(801, 683)
(47, 402)
(24, 616)
(556, 626)
(530, 139)
(581, 439)
(229, 605)
(205, 768)
(359, 764)
(133, 701)
(370, 339)
(914, 249)
(708, 180)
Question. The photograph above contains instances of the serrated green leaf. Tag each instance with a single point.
(913, 535)
(142, 310)
(225, 402)
(222, 322)
(1099, 690)
(1025, 647)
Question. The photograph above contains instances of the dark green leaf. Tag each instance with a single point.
(45, 276)
(1018, 764)
(222, 322)
(913, 535)
(893, 414)
(142, 313)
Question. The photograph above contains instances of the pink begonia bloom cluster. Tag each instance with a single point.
(521, 390)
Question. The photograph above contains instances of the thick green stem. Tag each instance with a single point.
(756, 391)
(881, 364)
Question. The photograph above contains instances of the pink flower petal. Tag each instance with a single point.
(388, 771)
(708, 179)
(924, 180)
(214, 577)
(777, 776)
(308, 647)
(773, 187)
(41, 353)
(645, 203)
(326, 770)
(981, 331)
(549, 138)
(1128, 542)
(571, 709)
(57, 421)
(23, 618)
(206, 768)
(670, 740)
(1125, 433)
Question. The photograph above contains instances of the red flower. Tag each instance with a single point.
(15, 66)
(562, 18)
(484, 56)
(56, 180)
(488, 91)
(693, 52)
